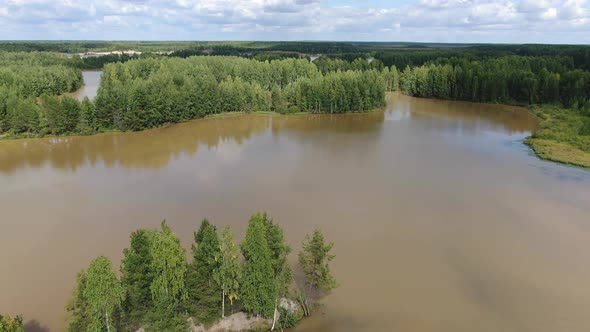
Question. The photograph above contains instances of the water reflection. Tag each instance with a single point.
(153, 149)
(442, 220)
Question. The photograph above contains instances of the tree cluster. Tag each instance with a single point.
(159, 289)
(149, 92)
(513, 79)
(152, 91)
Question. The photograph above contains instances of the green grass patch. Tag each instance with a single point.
(563, 135)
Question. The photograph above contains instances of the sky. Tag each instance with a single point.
(453, 21)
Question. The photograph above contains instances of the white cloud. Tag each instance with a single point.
(550, 14)
(423, 20)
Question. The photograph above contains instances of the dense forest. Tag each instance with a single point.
(176, 81)
(145, 93)
(159, 290)
(512, 79)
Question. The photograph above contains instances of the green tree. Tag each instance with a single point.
(202, 287)
(314, 259)
(77, 307)
(137, 277)
(228, 273)
(11, 324)
(279, 250)
(103, 293)
(53, 115)
(168, 265)
(258, 288)
(71, 111)
(87, 124)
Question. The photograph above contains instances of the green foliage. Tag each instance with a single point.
(102, 293)
(169, 266)
(77, 307)
(258, 289)
(11, 324)
(279, 250)
(136, 277)
(513, 79)
(158, 289)
(22, 115)
(204, 292)
(229, 272)
(314, 260)
(563, 126)
(289, 319)
(150, 92)
(88, 122)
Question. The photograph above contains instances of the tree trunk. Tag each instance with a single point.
(106, 315)
(223, 303)
(274, 316)
(303, 302)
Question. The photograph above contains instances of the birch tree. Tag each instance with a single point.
(104, 293)
(228, 273)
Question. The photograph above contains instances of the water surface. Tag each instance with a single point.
(91, 84)
(442, 219)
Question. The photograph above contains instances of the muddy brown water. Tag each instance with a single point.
(442, 219)
(90, 87)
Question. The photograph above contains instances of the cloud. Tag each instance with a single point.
(552, 21)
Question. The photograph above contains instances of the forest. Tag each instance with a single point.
(159, 290)
(149, 92)
(177, 81)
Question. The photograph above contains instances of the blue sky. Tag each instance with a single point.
(503, 21)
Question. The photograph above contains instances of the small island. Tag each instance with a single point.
(225, 287)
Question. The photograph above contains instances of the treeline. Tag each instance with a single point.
(149, 92)
(146, 93)
(33, 74)
(512, 79)
(159, 289)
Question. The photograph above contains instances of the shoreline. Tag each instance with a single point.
(551, 141)
(7, 137)
(543, 148)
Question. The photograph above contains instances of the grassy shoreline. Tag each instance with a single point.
(561, 137)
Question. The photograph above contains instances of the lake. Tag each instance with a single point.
(443, 220)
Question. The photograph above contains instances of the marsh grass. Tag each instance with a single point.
(563, 135)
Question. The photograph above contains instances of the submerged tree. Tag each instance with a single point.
(103, 293)
(202, 287)
(314, 260)
(228, 273)
(258, 288)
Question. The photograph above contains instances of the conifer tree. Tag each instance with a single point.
(137, 277)
(202, 287)
(314, 260)
(258, 288)
(279, 250)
